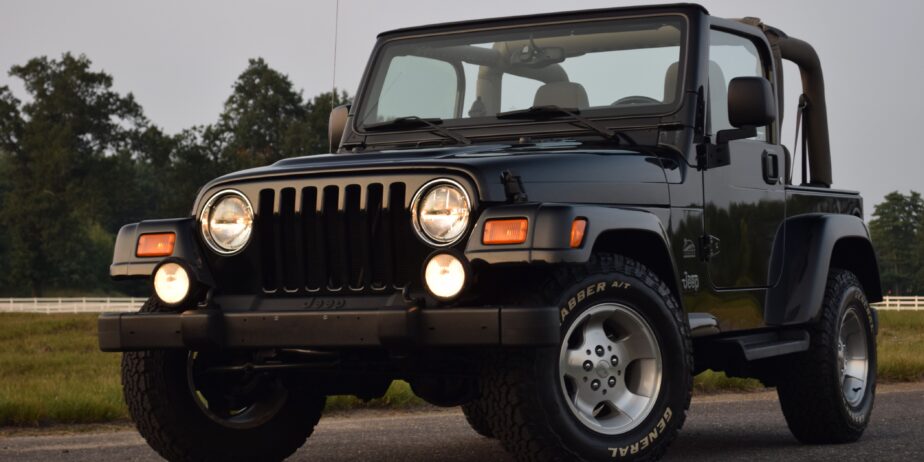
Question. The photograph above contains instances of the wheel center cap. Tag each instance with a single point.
(603, 369)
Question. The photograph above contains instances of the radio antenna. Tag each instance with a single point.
(333, 78)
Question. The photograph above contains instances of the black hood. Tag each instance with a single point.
(550, 172)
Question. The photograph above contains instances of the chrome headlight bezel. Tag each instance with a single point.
(205, 227)
(421, 194)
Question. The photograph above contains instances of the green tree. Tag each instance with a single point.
(265, 119)
(258, 118)
(896, 230)
(311, 134)
(10, 131)
(73, 144)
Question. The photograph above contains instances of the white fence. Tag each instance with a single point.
(912, 302)
(99, 305)
(69, 305)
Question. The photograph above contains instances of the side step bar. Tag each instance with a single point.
(740, 355)
(768, 344)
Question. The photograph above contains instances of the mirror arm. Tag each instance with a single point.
(732, 134)
(709, 155)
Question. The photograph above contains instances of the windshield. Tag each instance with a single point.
(598, 68)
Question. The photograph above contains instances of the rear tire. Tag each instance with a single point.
(628, 408)
(176, 424)
(827, 396)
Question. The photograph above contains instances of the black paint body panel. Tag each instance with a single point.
(731, 242)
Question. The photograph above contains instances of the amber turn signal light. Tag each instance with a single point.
(578, 227)
(507, 231)
(156, 245)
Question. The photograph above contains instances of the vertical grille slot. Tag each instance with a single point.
(289, 243)
(332, 213)
(268, 239)
(379, 255)
(356, 237)
(400, 233)
(315, 261)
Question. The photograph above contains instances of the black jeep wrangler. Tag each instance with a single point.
(554, 221)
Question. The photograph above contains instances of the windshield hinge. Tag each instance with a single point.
(513, 187)
(710, 155)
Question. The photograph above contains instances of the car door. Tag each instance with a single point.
(745, 200)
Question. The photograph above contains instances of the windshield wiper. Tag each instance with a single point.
(551, 111)
(414, 121)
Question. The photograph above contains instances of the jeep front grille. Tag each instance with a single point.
(327, 238)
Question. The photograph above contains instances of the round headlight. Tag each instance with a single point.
(227, 222)
(445, 275)
(171, 283)
(440, 211)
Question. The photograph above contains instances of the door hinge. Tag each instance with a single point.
(709, 156)
(513, 187)
(709, 246)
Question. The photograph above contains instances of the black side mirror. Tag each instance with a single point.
(751, 104)
(336, 125)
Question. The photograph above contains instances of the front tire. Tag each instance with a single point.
(548, 405)
(827, 398)
(477, 414)
(188, 421)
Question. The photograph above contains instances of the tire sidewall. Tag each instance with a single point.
(666, 415)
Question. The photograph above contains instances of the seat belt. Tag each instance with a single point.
(800, 113)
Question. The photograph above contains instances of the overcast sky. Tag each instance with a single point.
(179, 58)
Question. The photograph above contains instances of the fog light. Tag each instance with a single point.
(445, 275)
(171, 283)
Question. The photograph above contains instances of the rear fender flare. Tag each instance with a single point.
(811, 245)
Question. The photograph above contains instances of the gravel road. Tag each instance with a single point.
(735, 427)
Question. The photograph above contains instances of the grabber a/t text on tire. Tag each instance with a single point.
(827, 395)
(188, 413)
(617, 387)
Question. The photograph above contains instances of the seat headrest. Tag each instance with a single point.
(670, 82)
(718, 90)
(563, 94)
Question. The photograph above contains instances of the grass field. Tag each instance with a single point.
(52, 372)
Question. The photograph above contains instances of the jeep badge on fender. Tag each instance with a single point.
(552, 221)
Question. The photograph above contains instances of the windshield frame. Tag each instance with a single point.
(379, 54)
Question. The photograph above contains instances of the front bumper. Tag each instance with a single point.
(442, 327)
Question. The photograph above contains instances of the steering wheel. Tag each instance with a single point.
(633, 100)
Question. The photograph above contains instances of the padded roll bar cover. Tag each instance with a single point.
(813, 86)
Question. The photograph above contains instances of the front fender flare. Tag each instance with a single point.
(127, 265)
(549, 234)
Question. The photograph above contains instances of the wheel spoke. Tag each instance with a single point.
(646, 375)
(855, 368)
(585, 400)
(853, 387)
(633, 347)
(574, 364)
(594, 334)
(629, 404)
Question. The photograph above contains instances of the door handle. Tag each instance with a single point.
(771, 168)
